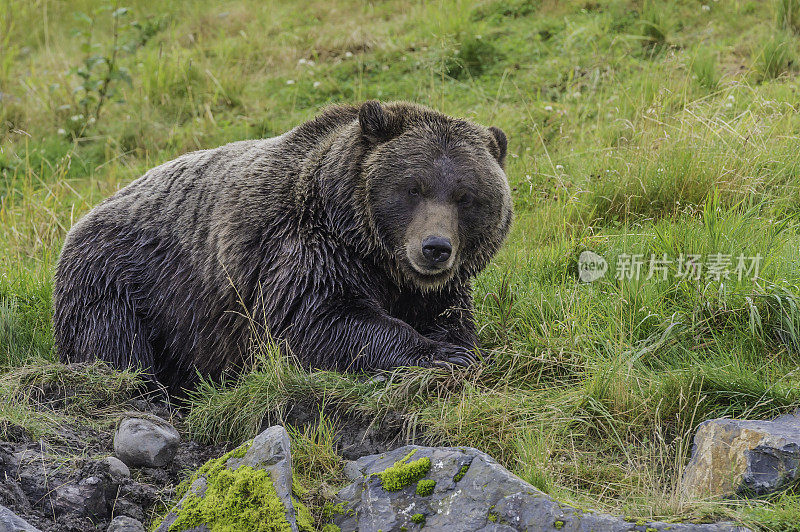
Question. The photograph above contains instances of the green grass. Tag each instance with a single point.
(54, 402)
(635, 127)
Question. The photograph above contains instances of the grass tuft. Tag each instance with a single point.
(775, 57)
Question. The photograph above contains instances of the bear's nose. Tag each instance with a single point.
(437, 248)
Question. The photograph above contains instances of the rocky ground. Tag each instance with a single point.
(71, 487)
(124, 477)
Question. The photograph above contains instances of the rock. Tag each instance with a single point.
(87, 497)
(117, 468)
(269, 452)
(126, 508)
(123, 523)
(11, 522)
(743, 457)
(145, 442)
(11, 493)
(464, 489)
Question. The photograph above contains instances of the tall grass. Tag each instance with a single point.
(636, 128)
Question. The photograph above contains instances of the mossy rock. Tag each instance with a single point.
(248, 488)
(447, 488)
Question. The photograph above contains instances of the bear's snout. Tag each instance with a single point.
(437, 249)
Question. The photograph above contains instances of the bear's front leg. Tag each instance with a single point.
(447, 317)
(358, 335)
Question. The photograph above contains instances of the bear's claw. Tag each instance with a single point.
(452, 354)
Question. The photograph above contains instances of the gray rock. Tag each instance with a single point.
(123, 506)
(472, 493)
(11, 522)
(145, 442)
(123, 523)
(87, 497)
(269, 451)
(743, 457)
(117, 468)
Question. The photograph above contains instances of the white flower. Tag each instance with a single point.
(559, 167)
(731, 98)
(706, 7)
(317, 84)
(61, 131)
(76, 118)
(348, 54)
(290, 82)
(548, 107)
(302, 61)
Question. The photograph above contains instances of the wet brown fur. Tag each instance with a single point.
(306, 232)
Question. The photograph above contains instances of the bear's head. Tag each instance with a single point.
(438, 200)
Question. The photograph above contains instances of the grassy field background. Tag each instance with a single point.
(635, 127)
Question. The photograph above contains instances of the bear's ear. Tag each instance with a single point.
(499, 146)
(374, 122)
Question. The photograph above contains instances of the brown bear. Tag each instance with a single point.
(351, 238)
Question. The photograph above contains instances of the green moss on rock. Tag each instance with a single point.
(330, 527)
(330, 510)
(244, 499)
(418, 519)
(425, 487)
(461, 473)
(403, 472)
(305, 521)
(212, 468)
(559, 525)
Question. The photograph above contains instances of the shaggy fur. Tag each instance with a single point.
(312, 232)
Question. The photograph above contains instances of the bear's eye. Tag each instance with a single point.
(413, 191)
(466, 200)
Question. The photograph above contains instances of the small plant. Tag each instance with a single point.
(653, 28)
(788, 15)
(775, 57)
(418, 519)
(461, 473)
(425, 487)
(704, 68)
(101, 70)
(473, 57)
(403, 472)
